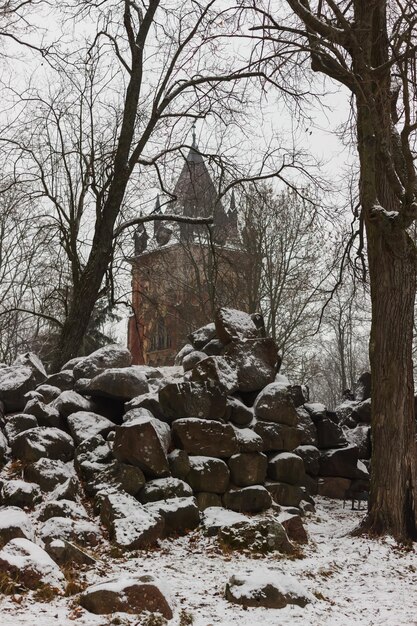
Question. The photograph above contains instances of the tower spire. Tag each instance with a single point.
(193, 128)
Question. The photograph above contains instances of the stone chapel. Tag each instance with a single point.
(182, 272)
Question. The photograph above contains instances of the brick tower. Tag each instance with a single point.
(183, 272)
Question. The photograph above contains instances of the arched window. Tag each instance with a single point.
(161, 339)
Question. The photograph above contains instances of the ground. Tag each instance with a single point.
(356, 582)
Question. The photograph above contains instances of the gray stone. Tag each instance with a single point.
(274, 404)
(46, 414)
(238, 413)
(259, 535)
(339, 462)
(253, 499)
(316, 410)
(20, 493)
(206, 500)
(64, 380)
(85, 424)
(248, 440)
(286, 494)
(79, 531)
(15, 381)
(248, 468)
(200, 337)
(277, 437)
(148, 401)
(62, 508)
(164, 489)
(47, 392)
(213, 348)
(363, 387)
(218, 370)
(208, 474)
(362, 412)
(190, 399)
(48, 473)
(69, 402)
(133, 594)
(14, 523)
(286, 467)
(119, 383)
(70, 490)
(33, 362)
(360, 436)
(191, 359)
(35, 443)
(64, 552)
(119, 476)
(180, 514)
(306, 428)
(18, 424)
(256, 361)
(144, 442)
(311, 458)
(28, 564)
(111, 356)
(179, 464)
(329, 434)
(231, 324)
(269, 590)
(187, 349)
(205, 437)
(131, 525)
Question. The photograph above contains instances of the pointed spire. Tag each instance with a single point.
(233, 201)
(193, 128)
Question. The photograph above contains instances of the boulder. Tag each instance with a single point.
(46, 392)
(48, 473)
(253, 499)
(200, 337)
(238, 413)
(213, 348)
(231, 324)
(15, 381)
(69, 402)
(64, 380)
(259, 535)
(148, 401)
(18, 424)
(129, 594)
(248, 468)
(62, 508)
(316, 410)
(91, 456)
(333, 486)
(192, 359)
(207, 500)
(14, 523)
(144, 442)
(20, 493)
(286, 467)
(164, 489)
(361, 412)
(329, 434)
(216, 517)
(256, 362)
(191, 399)
(116, 475)
(64, 552)
(218, 370)
(208, 474)
(205, 437)
(111, 356)
(267, 589)
(179, 464)
(339, 462)
(294, 527)
(360, 436)
(306, 428)
(33, 362)
(311, 458)
(299, 394)
(274, 404)
(277, 436)
(46, 414)
(286, 494)
(363, 387)
(187, 349)
(70, 490)
(119, 383)
(85, 424)
(35, 443)
(180, 514)
(248, 440)
(3, 449)
(79, 531)
(28, 564)
(131, 525)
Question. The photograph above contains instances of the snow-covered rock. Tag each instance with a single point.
(110, 356)
(119, 383)
(268, 589)
(29, 564)
(35, 443)
(86, 424)
(274, 404)
(205, 437)
(14, 523)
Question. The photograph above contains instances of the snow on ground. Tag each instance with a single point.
(356, 581)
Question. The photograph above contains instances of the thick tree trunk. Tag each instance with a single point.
(392, 269)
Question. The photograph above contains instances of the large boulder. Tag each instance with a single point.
(205, 437)
(179, 464)
(46, 414)
(14, 523)
(311, 458)
(277, 437)
(45, 392)
(248, 440)
(28, 564)
(129, 594)
(180, 514)
(48, 473)
(86, 424)
(259, 535)
(248, 468)
(80, 531)
(64, 380)
(339, 462)
(267, 589)
(131, 525)
(363, 387)
(238, 413)
(119, 383)
(286, 494)
(360, 436)
(275, 404)
(329, 434)
(144, 442)
(208, 474)
(69, 402)
(102, 359)
(116, 475)
(35, 443)
(256, 362)
(33, 362)
(200, 337)
(253, 499)
(20, 493)
(148, 401)
(191, 399)
(18, 424)
(62, 508)
(286, 467)
(306, 428)
(15, 382)
(164, 489)
(362, 412)
(232, 324)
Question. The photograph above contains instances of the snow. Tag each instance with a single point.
(248, 586)
(22, 553)
(217, 516)
(356, 581)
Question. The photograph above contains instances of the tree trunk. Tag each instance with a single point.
(392, 270)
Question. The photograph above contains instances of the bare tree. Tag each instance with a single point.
(370, 48)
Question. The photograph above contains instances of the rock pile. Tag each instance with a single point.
(156, 447)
